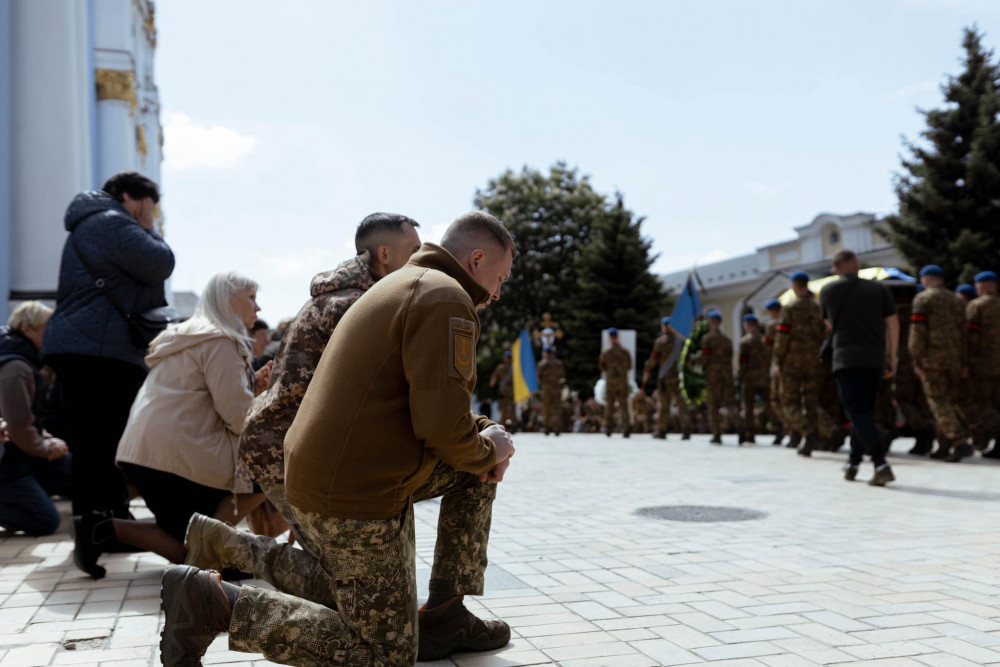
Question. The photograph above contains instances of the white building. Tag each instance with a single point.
(754, 279)
(78, 103)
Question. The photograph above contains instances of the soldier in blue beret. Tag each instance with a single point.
(717, 360)
(983, 324)
(777, 417)
(966, 293)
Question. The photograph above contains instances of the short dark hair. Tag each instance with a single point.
(130, 183)
(472, 229)
(259, 325)
(372, 229)
(843, 257)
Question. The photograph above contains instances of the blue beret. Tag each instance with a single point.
(665, 321)
(772, 304)
(612, 331)
(799, 276)
(750, 317)
(966, 290)
(932, 270)
(714, 315)
(987, 276)
(548, 349)
(507, 353)
(920, 288)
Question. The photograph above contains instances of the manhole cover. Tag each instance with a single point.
(700, 513)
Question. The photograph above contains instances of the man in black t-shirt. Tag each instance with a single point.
(863, 316)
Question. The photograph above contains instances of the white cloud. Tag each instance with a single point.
(908, 91)
(189, 145)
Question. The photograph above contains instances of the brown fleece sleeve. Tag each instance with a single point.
(17, 390)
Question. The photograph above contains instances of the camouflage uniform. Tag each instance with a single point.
(295, 571)
(642, 411)
(829, 420)
(779, 414)
(550, 378)
(503, 377)
(755, 362)
(668, 388)
(937, 344)
(616, 362)
(371, 564)
(717, 359)
(800, 334)
(983, 318)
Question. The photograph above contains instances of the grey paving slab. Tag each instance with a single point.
(834, 573)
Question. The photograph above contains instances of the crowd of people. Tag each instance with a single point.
(357, 408)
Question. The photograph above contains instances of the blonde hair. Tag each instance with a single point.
(34, 314)
(215, 310)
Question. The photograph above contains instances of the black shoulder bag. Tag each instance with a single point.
(143, 326)
(826, 350)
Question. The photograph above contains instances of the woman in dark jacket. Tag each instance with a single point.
(88, 342)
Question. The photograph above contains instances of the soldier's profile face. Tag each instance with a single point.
(493, 272)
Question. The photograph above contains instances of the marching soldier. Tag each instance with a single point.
(938, 346)
(551, 377)
(503, 377)
(616, 362)
(983, 315)
(717, 359)
(642, 413)
(755, 361)
(664, 361)
(770, 334)
(910, 398)
(801, 332)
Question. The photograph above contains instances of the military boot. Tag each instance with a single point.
(923, 444)
(993, 453)
(794, 441)
(196, 611)
(808, 446)
(882, 476)
(981, 444)
(627, 433)
(850, 472)
(686, 435)
(215, 545)
(778, 437)
(93, 534)
(450, 627)
(959, 452)
(659, 435)
(942, 452)
(716, 440)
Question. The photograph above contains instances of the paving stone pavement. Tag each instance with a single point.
(835, 573)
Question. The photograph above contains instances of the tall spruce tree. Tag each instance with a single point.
(551, 217)
(949, 195)
(614, 288)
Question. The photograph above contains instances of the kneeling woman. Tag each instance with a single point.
(179, 448)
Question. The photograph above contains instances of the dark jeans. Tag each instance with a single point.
(858, 388)
(24, 501)
(97, 395)
(173, 499)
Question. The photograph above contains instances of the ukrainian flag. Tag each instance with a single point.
(525, 373)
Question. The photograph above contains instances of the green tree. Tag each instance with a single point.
(551, 217)
(949, 194)
(614, 288)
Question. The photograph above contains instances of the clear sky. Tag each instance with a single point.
(726, 123)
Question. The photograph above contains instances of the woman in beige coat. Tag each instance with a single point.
(179, 448)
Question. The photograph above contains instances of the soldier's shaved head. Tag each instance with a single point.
(477, 230)
(390, 240)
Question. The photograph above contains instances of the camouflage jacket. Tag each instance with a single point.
(717, 355)
(770, 333)
(983, 317)
(755, 361)
(272, 413)
(663, 347)
(937, 330)
(800, 333)
(503, 379)
(550, 375)
(616, 362)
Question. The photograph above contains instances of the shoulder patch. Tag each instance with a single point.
(462, 341)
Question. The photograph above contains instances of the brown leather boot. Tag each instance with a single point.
(196, 610)
(450, 627)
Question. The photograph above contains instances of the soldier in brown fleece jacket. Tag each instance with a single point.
(385, 422)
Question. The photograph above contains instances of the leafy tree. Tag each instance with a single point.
(949, 197)
(551, 217)
(615, 288)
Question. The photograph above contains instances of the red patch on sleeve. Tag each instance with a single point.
(972, 326)
(919, 319)
(784, 328)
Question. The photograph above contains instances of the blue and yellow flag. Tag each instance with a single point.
(525, 373)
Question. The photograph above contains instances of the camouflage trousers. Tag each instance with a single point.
(799, 400)
(552, 410)
(669, 391)
(984, 418)
(719, 394)
(612, 398)
(776, 408)
(750, 419)
(942, 388)
(371, 565)
(508, 415)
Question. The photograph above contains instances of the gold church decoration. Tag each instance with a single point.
(114, 84)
